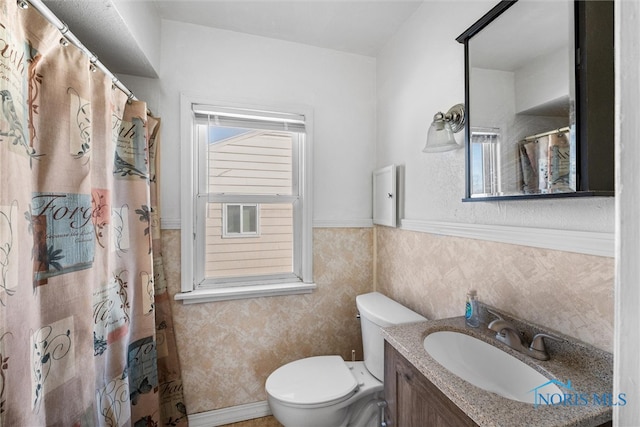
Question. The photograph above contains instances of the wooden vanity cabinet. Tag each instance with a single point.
(413, 401)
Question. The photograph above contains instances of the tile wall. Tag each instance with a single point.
(571, 293)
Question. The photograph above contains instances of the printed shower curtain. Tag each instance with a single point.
(85, 323)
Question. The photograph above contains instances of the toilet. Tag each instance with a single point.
(326, 391)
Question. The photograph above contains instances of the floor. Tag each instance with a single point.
(257, 422)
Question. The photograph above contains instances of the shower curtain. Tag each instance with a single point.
(86, 336)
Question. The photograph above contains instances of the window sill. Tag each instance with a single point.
(243, 292)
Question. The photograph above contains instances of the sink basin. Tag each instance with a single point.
(490, 368)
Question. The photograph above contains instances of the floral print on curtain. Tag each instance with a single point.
(81, 278)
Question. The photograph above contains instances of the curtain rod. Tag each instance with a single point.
(551, 132)
(64, 30)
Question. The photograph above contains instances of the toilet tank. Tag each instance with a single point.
(378, 311)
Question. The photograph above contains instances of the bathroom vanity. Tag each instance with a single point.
(419, 391)
(413, 400)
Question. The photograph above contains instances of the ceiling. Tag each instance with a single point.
(552, 31)
(360, 27)
(355, 26)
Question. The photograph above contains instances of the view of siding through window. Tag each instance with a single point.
(249, 162)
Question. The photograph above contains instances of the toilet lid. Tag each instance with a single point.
(312, 380)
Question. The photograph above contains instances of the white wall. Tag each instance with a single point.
(627, 322)
(206, 63)
(542, 80)
(143, 20)
(421, 71)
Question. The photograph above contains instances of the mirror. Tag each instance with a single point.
(524, 133)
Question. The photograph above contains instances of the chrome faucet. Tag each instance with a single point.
(509, 335)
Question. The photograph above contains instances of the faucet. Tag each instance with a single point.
(509, 335)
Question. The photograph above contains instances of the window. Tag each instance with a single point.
(246, 213)
(240, 220)
(485, 164)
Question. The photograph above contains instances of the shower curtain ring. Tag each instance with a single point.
(130, 98)
(23, 4)
(64, 30)
(93, 59)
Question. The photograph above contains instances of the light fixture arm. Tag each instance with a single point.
(455, 117)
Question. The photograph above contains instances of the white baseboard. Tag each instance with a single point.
(233, 414)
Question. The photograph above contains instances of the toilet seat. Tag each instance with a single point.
(320, 380)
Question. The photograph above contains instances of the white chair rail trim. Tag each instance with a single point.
(584, 242)
(170, 223)
(174, 223)
(347, 223)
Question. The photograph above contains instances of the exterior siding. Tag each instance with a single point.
(258, 163)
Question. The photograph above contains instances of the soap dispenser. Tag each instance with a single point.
(471, 317)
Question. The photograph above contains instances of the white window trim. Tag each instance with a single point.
(253, 291)
(190, 292)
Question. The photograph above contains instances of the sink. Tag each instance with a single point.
(490, 368)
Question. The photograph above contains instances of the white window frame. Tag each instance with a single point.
(242, 233)
(194, 290)
(490, 160)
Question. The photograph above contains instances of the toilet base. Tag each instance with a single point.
(366, 413)
(359, 410)
(363, 413)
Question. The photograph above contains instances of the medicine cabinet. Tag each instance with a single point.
(385, 196)
(539, 95)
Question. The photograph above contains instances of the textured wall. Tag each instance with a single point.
(227, 349)
(571, 293)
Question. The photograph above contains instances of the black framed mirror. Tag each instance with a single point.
(539, 96)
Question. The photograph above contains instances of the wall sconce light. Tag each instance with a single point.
(440, 137)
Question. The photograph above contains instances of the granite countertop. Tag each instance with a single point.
(589, 369)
